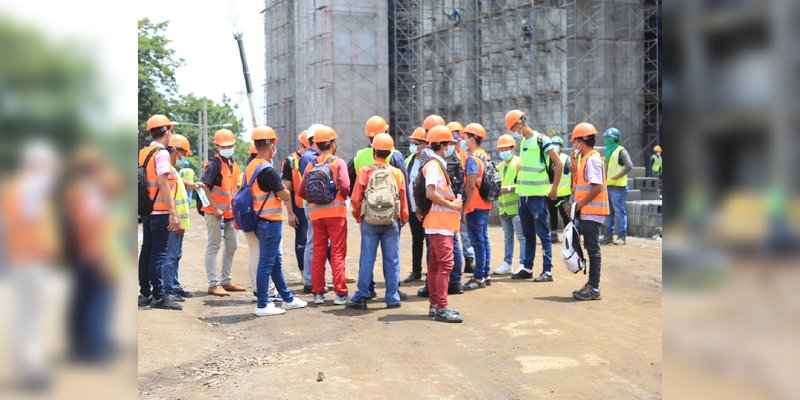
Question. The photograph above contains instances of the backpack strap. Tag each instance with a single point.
(146, 160)
(252, 179)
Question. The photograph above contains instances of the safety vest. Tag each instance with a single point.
(187, 174)
(152, 179)
(440, 217)
(614, 168)
(565, 185)
(365, 158)
(337, 208)
(476, 201)
(296, 178)
(28, 240)
(221, 196)
(408, 161)
(272, 208)
(508, 203)
(598, 205)
(656, 163)
(181, 200)
(532, 179)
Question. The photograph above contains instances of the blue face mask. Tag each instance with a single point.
(449, 151)
(463, 143)
(413, 149)
(516, 135)
(506, 155)
(227, 153)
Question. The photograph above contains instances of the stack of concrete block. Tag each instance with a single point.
(644, 217)
(647, 187)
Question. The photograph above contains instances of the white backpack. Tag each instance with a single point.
(571, 251)
(381, 204)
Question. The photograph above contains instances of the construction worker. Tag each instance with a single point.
(413, 166)
(364, 157)
(268, 192)
(458, 177)
(290, 174)
(328, 220)
(555, 207)
(178, 149)
(591, 203)
(618, 164)
(162, 187)
(533, 187)
(441, 223)
(508, 204)
(308, 157)
(219, 182)
(656, 162)
(188, 176)
(476, 209)
(375, 183)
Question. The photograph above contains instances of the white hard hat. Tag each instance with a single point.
(313, 129)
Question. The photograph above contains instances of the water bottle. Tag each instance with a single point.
(203, 198)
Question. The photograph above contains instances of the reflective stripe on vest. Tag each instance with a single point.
(508, 203)
(565, 185)
(152, 179)
(335, 209)
(476, 201)
(440, 217)
(598, 205)
(181, 200)
(271, 210)
(221, 196)
(532, 179)
(614, 168)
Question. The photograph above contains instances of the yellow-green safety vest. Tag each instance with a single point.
(532, 179)
(365, 158)
(187, 174)
(181, 200)
(508, 203)
(565, 185)
(656, 163)
(614, 168)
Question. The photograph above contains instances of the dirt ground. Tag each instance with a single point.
(519, 339)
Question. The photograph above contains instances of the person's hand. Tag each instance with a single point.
(419, 215)
(553, 193)
(180, 232)
(457, 204)
(174, 222)
(218, 213)
(293, 221)
(199, 185)
(578, 206)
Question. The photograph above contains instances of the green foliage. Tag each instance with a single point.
(157, 65)
(185, 109)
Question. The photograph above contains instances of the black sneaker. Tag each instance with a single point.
(432, 311)
(166, 304)
(522, 274)
(488, 281)
(587, 293)
(372, 294)
(402, 294)
(473, 284)
(360, 304)
(393, 305)
(543, 277)
(307, 289)
(185, 294)
(413, 276)
(175, 297)
(469, 265)
(448, 315)
(454, 288)
(423, 291)
(144, 301)
(607, 239)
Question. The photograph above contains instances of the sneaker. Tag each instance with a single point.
(185, 294)
(504, 269)
(587, 293)
(543, 277)
(488, 281)
(295, 303)
(454, 288)
(413, 276)
(319, 298)
(607, 239)
(423, 291)
(448, 315)
(255, 297)
(402, 294)
(522, 274)
(520, 267)
(340, 300)
(432, 311)
(144, 301)
(275, 298)
(357, 304)
(269, 309)
(619, 241)
(473, 284)
(393, 305)
(372, 294)
(469, 264)
(175, 297)
(165, 303)
(554, 237)
(307, 289)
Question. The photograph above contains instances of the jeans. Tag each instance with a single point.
(617, 212)
(300, 236)
(417, 242)
(478, 225)
(170, 270)
(91, 312)
(511, 224)
(269, 262)
(466, 243)
(555, 212)
(440, 264)
(388, 237)
(308, 251)
(590, 231)
(153, 254)
(331, 230)
(212, 248)
(533, 215)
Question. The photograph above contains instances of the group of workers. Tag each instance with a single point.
(446, 161)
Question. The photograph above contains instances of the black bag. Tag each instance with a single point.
(491, 183)
(145, 202)
(456, 172)
(420, 188)
(549, 167)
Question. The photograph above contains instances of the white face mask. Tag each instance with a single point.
(449, 151)
(227, 153)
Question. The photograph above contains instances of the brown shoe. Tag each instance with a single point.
(218, 291)
(232, 287)
(349, 279)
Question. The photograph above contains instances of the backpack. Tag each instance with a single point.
(320, 188)
(145, 202)
(381, 204)
(420, 190)
(456, 172)
(571, 251)
(491, 183)
(244, 215)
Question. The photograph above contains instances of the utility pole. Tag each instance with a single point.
(205, 130)
(246, 72)
(201, 151)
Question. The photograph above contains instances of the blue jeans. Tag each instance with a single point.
(478, 226)
(170, 270)
(153, 254)
(388, 237)
(617, 211)
(466, 244)
(300, 237)
(511, 224)
(270, 262)
(458, 262)
(533, 215)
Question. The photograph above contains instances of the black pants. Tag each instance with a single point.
(301, 235)
(551, 210)
(590, 231)
(417, 242)
(153, 254)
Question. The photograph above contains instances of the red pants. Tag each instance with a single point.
(440, 264)
(335, 229)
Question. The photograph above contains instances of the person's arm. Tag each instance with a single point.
(358, 196)
(166, 196)
(270, 181)
(344, 179)
(559, 170)
(351, 173)
(286, 174)
(403, 200)
(436, 198)
(470, 184)
(207, 181)
(626, 161)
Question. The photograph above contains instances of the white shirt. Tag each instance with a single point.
(434, 177)
(412, 176)
(161, 160)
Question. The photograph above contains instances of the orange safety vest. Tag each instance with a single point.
(336, 208)
(271, 210)
(152, 179)
(440, 217)
(598, 205)
(221, 196)
(29, 240)
(296, 179)
(476, 201)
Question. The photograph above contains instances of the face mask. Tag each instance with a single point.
(413, 149)
(227, 153)
(179, 163)
(463, 144)
(506, 155)
(449, 151)
(516, 135)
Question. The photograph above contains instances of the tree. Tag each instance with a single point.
(157, 65)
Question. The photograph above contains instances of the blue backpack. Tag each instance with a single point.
(320, 188)
(243, 212)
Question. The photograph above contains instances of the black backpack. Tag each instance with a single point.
(491, 183)
(456, 172)
(145, 202)
(420, 188)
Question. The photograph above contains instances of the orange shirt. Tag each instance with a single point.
(361, 185)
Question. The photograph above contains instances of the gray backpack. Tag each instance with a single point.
(381, 204)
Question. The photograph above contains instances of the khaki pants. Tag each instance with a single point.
(212, 248)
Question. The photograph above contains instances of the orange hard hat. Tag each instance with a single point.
(438, 134)
(506, 141)
(657, 148)
(375, 125)
(303, 138)
(419, 134)
(431, 121)
(264, 132)
(455, 126)
(582, 130)
(159, 120)
(512, 117)
(324, 134)
(383, 141)
(476, 129)
(252, 149)
(224, 137)
(181, 142)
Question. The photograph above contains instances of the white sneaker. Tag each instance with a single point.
(340, 300)
(296, 303)
(504, 269)
(270, 309)
(319, 299)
